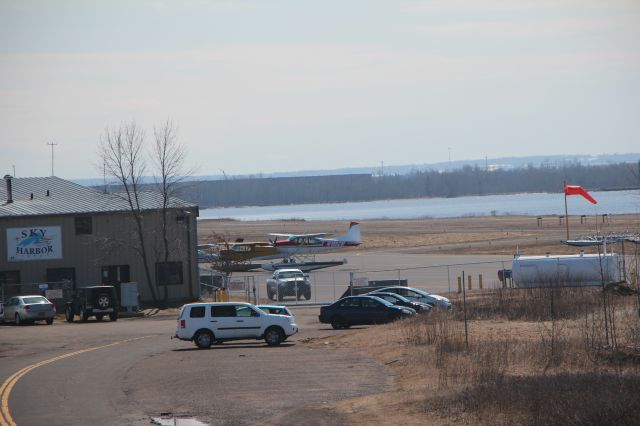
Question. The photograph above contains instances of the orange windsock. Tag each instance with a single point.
(578, 190)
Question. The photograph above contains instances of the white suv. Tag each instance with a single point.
(208, 323)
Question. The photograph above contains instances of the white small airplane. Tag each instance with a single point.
(306, 244)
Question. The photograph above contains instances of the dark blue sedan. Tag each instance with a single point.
(360, 310)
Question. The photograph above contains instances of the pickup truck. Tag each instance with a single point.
(288, 282)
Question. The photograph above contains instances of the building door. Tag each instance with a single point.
(115, 275)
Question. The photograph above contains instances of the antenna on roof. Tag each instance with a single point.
(52, 144)
(104, 175)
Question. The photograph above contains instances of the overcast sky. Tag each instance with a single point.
(264, 86)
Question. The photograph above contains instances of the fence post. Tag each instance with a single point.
(504, 276)
(480, 281)
(333, 275)
(449, 277)
(351, 283)
(464, 309)
(459, 285)
(255, 293)
(469, 281)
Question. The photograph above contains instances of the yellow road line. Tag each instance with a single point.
(7, 385)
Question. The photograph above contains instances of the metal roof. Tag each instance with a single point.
(44, 196)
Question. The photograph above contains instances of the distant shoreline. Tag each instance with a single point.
(519, 204)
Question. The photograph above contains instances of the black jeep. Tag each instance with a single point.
(95, 301)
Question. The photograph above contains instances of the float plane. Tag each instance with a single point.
(306, 244)
(294, 250)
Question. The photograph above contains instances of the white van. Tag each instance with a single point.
(208, 323)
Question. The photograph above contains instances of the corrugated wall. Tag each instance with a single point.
(114, 241)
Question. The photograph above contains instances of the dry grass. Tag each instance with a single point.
(544, 368)
(463, 235)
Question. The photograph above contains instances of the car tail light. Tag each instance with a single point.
(183, 324)
(27, 307)
(53, 307)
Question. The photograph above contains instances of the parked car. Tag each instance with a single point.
(217, 322)
(276, 310)
(23, 309)
(288, 282)
(98, 301)
(416, 295)
(360, 310)
(396, 299)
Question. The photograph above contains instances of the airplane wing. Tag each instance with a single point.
(300, 235)
(205, 246)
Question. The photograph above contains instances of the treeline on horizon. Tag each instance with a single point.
(366, 187)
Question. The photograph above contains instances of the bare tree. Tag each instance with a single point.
(168, 157)
(121, 151)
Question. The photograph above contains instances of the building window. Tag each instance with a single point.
(61, 274)
(115, 274)
(84, 225)
(169, 273)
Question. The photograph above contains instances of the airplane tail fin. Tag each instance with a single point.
(353, 235)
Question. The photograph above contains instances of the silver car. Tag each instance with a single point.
(22, 309)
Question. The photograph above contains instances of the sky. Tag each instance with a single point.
(274, 86)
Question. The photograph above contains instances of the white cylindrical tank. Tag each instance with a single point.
(565, 270)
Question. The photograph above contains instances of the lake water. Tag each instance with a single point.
(609, 202)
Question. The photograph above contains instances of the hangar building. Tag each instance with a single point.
(55, 230)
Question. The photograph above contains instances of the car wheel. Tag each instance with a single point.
(307, 293)
(103, 301)
(98, 317)
(68, 313)
(18, 320)
(113, 316)
(50, 321)
(338, 323)
(273, 336)
(203, 339)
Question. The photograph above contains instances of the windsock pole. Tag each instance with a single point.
(566, 213)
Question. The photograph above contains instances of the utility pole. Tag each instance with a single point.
(52, 145)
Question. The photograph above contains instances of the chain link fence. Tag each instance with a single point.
(329, 286)
(58, 292)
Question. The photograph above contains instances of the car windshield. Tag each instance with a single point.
(34, 299)
(409, 293)
(290, 274)
(384, 302)
(390, 296)
(277, 310)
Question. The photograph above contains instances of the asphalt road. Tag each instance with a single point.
(137, 372)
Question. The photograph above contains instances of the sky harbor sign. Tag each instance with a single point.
(34, 243)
